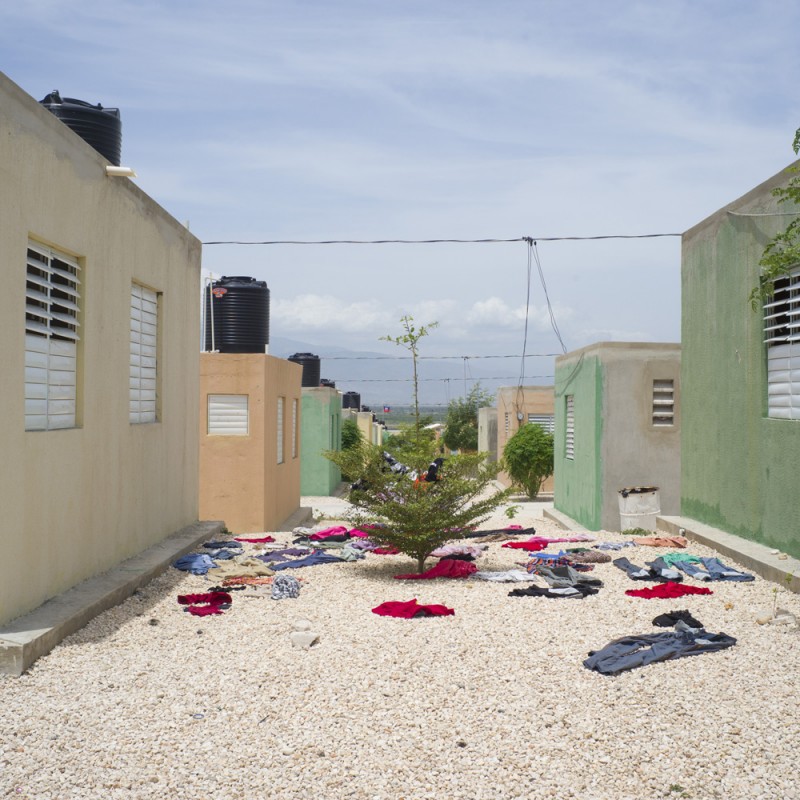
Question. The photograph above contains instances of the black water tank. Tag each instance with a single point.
(351, 400)
(100, 127)
(310, 364)
(240, 315)
(325, 382)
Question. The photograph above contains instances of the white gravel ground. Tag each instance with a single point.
(150, 702)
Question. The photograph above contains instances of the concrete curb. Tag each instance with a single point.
(35, 634)
(758, 558)
(302, 516)
(563, 521)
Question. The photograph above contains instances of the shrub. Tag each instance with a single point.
(528, 457)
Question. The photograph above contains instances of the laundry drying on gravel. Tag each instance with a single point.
(446, 568)
(256, 540)
(673, 617)
(316, 558)
(506, 576)
(614, 545)
(661, 541)
(196, 563)
(409, 609)
(285, 586)
(579, 591)
(629, 652)
(667, 590)
(656, 570)
(711, 569)
(208, 603)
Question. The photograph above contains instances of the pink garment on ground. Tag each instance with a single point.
(446, 568)
(358, 534)
(204, 611)
(662, 541)
(211, 603)
(532, 544)
(324, 534)
(410, 608)
(385, 551)
(261, 540)
(514, 527)
(667, 590)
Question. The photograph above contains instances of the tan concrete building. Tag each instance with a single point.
(250, 407)
(517, 406)
(98, 399)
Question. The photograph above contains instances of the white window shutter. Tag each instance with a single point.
(544, 421)
(228, 415)
(663, 413)
(143, 350)
(782, 337)
(569, 444)
(52, 297)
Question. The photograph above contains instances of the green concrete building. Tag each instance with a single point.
(320, 430)
(741, 377)
(617, 425)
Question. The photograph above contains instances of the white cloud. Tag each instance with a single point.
(313, 312)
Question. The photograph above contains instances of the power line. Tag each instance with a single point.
(407, 380)
(449, 241)
(430, 358)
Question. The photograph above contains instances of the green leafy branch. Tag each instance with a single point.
(782, 254)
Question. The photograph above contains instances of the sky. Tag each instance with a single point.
(254, 120)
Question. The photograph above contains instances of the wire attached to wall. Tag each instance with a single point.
(451, 241)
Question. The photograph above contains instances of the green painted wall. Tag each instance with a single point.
(740, 471)
(320, 429)
(578, 482)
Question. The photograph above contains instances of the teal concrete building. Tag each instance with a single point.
(741, 377)
(320, 430)
(617, 425)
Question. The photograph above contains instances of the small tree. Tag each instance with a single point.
(411, 514)
(461, 431)
(410, 341)
(528, 457)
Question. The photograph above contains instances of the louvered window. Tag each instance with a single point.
(281, 402)
(544, 421)
(663, 403)
(294, 428)
(52, 303)
(507, 423)
(228, 415)
(782, 337)
(143, 350)
(569, 441)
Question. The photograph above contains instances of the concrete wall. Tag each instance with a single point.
(740, 469)
(487, 432)
(578, 481)
(78, 501)
(511, 401)
(321, 430)
(241, 481)
(616, 443)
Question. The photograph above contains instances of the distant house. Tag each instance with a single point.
(250, 440)
(617, 425)
(98, 399)
(741, 376)
(321, 430)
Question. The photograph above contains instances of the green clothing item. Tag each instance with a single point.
(671, 558)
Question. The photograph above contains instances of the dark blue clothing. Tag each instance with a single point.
(714, 570)
(218, 545)
(196, 563)
(639, 651)
(317, 557)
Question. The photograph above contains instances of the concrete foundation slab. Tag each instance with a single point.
(563, 521)
(32, 635)
(757, 558)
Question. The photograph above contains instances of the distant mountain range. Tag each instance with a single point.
(385, 380)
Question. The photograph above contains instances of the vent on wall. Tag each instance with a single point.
(663, 403)
(569, 442)
(227, 415)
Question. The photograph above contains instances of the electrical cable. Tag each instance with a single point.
(449, 241)
(547, 298)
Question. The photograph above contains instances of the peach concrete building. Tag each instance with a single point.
(250, 406)
(518, 406)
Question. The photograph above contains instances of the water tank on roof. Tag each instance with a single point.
(311, 365)
(351, 400)
(237, 311)
(100, 127)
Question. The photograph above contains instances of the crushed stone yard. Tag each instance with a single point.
(493, 703)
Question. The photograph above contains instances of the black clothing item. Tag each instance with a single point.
(433, 470)
(577, 592)
(231, 545)
(461, 557)
(669, 620)
(655, 571)
(510, 533)
(227, 588)
(629, 652)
